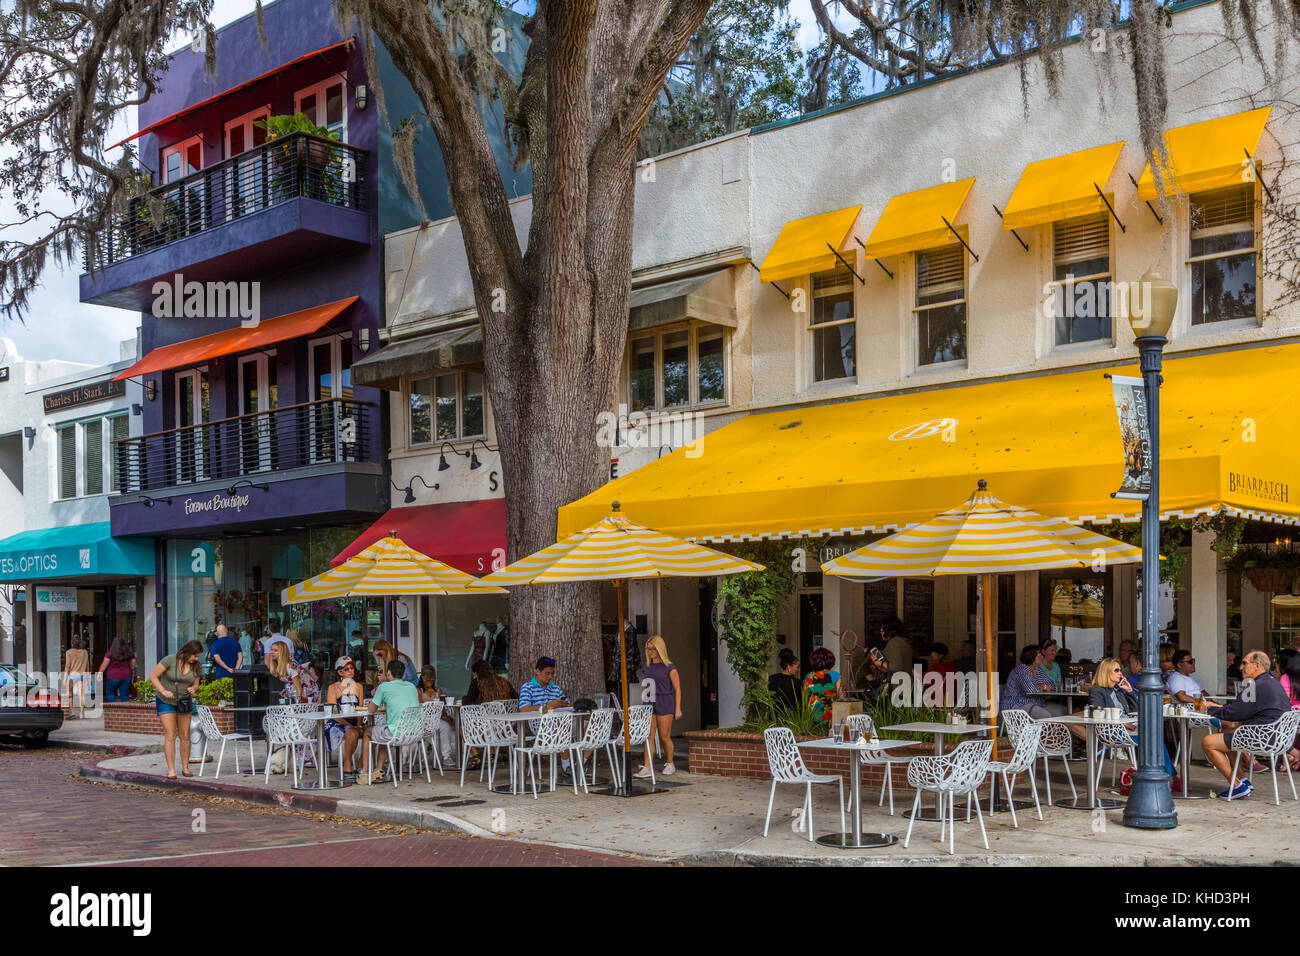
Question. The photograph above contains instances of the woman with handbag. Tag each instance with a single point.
(175, 682)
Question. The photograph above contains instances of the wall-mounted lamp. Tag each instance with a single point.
(363, 338)
(442, 455)
(661, 450)
(29, 432)
(137, 409)
(409, 490)
(150, 502)
(362, 96)
(247, 484)
(151, 390)
(473, 458)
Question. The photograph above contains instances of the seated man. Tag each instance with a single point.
(1261, 700)
(542, 694)
(394, 694)
(1184, 686)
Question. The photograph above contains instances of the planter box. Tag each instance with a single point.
(137, 718)
(744, 755)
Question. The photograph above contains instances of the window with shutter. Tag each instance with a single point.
(67, 436)
(833, 325)
(119, 428)
(1223, 256)
(1081, 270)
(92, 443)
(940, 304)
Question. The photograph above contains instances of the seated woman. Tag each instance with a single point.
(1288, 665)
(429, 690)
(822, 686)
(486, 686)
(345, 731)
(1111, 688)
(785, 684)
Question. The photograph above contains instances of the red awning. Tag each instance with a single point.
(465, 534)
(279, 329)
(234, 89)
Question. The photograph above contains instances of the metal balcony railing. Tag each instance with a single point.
(293, 166)
(246, 446)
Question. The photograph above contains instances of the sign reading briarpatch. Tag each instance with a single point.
(1131, 408)
(83, 395)
(1258, 487)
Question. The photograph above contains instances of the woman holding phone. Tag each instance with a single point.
(175, 682)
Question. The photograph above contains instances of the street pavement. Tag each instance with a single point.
(52, 816)
(716, 820)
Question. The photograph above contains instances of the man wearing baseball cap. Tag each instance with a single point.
(345, 731)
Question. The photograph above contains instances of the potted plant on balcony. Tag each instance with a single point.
(318, 170)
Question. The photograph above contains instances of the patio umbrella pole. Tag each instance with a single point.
(622, 673)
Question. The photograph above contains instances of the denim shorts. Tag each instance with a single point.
(164, 707)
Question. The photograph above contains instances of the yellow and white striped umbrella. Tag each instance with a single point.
(614, 549)
(1088, 612)
(1286, 600)
(389, 567)
(984, 536)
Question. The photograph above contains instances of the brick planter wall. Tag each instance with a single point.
(743, 755)
(137, 718)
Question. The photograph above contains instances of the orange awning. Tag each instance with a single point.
(192, 351)
(234, 89)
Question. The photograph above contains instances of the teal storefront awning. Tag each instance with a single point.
(75, 551)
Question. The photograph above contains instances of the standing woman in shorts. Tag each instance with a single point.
(175, 682)
(667, 702)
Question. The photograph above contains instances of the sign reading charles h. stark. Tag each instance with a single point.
(83, 395)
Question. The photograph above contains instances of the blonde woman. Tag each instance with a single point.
(667, 700)
(1111, 688)
(386, 653)
(281, 667)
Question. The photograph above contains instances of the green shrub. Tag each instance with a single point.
(144, 691)
(215, 691)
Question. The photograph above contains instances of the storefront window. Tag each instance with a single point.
(237, 581)
(462, 630)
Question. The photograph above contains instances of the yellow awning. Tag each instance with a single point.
(1210, 154)
(1050, 443)
(1061, 187)
(915, 220)
(804, 245)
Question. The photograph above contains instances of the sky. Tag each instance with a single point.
(59, 326)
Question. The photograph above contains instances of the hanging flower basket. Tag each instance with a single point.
(1271, 580)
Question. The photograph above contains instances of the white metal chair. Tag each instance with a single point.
(511, 704)
(211, 732)
(478, 731)
(409, 730)
(1266, 740)
(494, 708)
(863, 724)
(1057, 741)
(431, 720)
(554, 737)
(959, 772)
(283, 731)
(1022, 761)
(787, 766)
(640, 720)
(1113, 739)
(596, 738)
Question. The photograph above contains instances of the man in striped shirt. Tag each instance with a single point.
(542, 694)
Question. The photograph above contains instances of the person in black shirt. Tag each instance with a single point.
(786, 685)
(1261, 700)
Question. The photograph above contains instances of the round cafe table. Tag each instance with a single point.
(939, 730)
(855, 839)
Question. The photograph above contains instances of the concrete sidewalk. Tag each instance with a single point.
(719, 820)
(87, 733)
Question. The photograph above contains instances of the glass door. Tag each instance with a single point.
(191, 414)
(1075, 608)
(245, 180)
(257, 399)
(186, 207)
(333, 427)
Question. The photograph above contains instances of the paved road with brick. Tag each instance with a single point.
(51, 817)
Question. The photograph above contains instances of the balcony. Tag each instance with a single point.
(295, 197)
(309, 463)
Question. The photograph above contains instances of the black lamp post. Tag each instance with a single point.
(1151, 803)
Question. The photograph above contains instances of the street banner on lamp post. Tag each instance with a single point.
(1131, 408)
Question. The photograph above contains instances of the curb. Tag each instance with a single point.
(116, 750)
(297, 800)
(739, 857)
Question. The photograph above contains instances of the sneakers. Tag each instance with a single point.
(669, 770)
(643, 773)
(1243, 789)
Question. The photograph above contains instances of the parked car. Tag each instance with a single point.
(28, 711)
